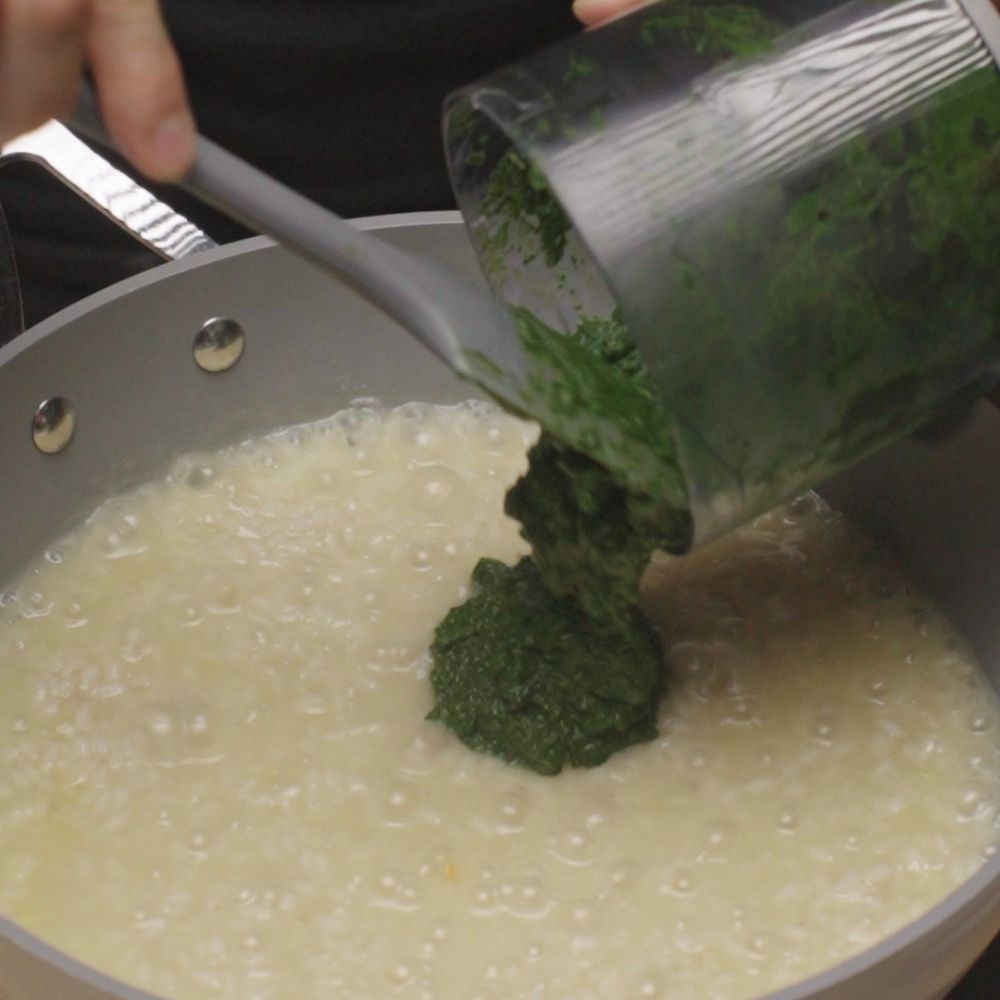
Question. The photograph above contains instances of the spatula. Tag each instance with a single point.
(461, 322)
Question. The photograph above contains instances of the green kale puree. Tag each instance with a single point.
(551, 662)
(869, 276)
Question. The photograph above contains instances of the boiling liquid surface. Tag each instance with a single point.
(216, 779)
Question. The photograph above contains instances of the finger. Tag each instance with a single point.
(591, 12)
(141, 87)
(41, 61)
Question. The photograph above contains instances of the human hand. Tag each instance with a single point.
(592, 12)
(44, 47)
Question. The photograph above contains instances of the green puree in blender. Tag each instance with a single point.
(551, 663)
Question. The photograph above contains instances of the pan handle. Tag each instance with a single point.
(113, 193)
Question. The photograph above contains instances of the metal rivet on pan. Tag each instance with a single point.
(218, 345)
(53, 425)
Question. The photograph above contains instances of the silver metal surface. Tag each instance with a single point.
(110, 191)
(936, 507)
(218, 345)
(53, 425)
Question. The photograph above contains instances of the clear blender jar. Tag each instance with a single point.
(795, 207)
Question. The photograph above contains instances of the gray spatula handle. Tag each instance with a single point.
(405, 287)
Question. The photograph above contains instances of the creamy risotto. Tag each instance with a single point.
(217, 779)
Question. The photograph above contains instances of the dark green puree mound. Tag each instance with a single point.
(551, 662)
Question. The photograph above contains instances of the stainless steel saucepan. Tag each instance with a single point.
(240, 340)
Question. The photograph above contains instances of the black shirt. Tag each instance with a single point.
(342, 98)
